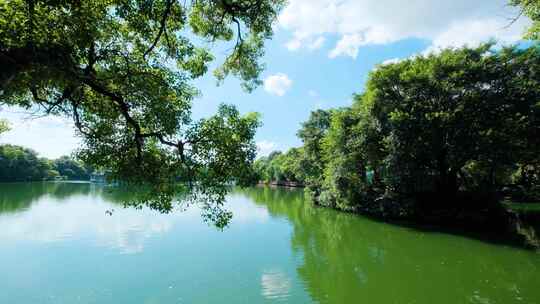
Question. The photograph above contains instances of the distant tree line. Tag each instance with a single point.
(281, 168)
(458, 128)
(18, 164)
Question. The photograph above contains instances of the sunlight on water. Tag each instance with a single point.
(275, 284)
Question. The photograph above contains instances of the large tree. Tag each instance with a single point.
(122, 69)
(312, 133)
(345, 166)
(464, 119)
(443, 113)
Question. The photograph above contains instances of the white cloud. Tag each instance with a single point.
(311, 44)
(277, 84)
(391, 61)
(313, 93)
(473, 33)
(367, 22)
(265, 147)
(317, 43)
(348, 45)
(293, 45)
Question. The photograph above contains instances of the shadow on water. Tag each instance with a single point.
(352, 259)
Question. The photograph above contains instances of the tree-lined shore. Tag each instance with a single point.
(19, 164)
(445, 135)
(440, 138)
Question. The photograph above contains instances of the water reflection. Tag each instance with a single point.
(20, 196)
(43, 216)
(17, 197)
(52, 212)
(278, 249)
(348, 259)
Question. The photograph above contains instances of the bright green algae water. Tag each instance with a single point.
(58, 245)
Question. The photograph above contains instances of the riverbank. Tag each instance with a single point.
(483, 218)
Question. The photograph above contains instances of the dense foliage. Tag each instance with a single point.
(19, 164)
(281, 168)
(298, 166)
(71, 169)
(427, 130)
(312, 134)
(123, 71)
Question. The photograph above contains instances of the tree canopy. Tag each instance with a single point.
(123, 70)
(281, 168)
(312, 133)
(440, 114)
(71, 169)
(460, 121)
(18, 164)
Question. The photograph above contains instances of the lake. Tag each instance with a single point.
(58, 244)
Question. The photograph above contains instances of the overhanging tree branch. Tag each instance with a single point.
(162, 27)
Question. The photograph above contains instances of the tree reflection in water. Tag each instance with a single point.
(351, 259)
(343, 258)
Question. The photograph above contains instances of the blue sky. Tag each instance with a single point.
(321, 54)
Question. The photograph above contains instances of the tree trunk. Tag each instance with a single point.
(447, 184)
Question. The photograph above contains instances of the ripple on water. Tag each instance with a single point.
(275, 284)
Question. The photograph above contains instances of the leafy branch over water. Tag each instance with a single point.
(122, 70)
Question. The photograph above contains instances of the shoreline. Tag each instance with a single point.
(516, 228)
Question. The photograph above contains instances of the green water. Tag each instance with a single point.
(57, 245)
